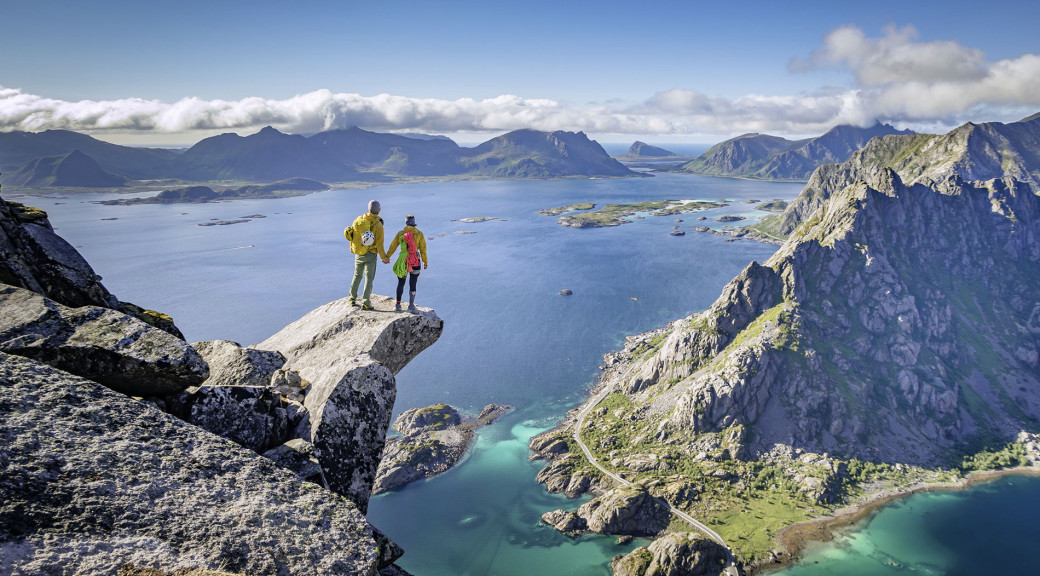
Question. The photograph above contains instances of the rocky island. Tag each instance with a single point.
(889, 344)
(617, 214)
(431, 441)
(126, 450)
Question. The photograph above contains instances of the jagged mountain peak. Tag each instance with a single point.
(898, 323)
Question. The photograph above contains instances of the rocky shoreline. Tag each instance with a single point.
(795, 537)
(432, 440)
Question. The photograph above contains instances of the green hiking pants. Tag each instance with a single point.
(364, 265)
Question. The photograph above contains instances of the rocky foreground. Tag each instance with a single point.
(125, 450)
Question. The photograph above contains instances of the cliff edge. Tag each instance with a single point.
(126, 450)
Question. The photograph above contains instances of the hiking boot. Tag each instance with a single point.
(397, 306)
(353, 302)
(413, 309)
(367, 306)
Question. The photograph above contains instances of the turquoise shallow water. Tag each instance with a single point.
(990, 529)
(508, 338)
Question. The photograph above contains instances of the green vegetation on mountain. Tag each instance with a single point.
(890, 343)
(569, 208)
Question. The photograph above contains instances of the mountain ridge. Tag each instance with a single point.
(74, 169)
(764, 157)
(892, 340)
(334, 156)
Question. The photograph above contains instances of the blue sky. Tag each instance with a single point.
(168, 73)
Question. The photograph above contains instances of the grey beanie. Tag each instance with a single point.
(410, 220)
(373, 206)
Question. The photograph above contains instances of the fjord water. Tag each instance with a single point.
(509, 337)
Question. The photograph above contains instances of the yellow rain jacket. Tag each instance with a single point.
(376, 225)
(420, 242)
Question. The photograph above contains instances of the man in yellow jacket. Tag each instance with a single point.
(365, 256)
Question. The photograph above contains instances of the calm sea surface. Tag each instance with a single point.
(509, 338)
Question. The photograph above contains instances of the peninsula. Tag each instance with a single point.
(879, 350)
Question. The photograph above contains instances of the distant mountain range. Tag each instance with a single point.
(764, 157)
(63, 158)
(72, 169)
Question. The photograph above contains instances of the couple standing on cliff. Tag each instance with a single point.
(366, 242)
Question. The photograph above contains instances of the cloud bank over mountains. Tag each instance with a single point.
(895, 78)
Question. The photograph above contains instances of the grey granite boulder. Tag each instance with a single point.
(250, 416)
(338, 329)
(92, 480)
(349, 421)
(100, 344)
(34, 257)
(297, 455)
(237, 400)
(349, 356)
(233, 365)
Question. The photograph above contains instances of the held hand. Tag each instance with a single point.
(386, 260)
(425, 266)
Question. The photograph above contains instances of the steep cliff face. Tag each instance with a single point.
(975, 152)
(899, 323)
(894, 333)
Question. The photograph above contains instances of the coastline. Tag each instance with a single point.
(792, 540)
(795, 538)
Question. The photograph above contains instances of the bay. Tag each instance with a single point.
(989, 529)
(509, 337)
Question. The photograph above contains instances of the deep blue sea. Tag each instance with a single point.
(509, 337)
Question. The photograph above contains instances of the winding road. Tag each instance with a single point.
(731, 565)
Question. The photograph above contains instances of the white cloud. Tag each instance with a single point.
(895, 58)
(894, 78)
(900, 78)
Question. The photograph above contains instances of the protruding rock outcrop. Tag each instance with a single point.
(92, 480)
(349, 356)
(33, 257)
(95, 479)
(101, 344)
